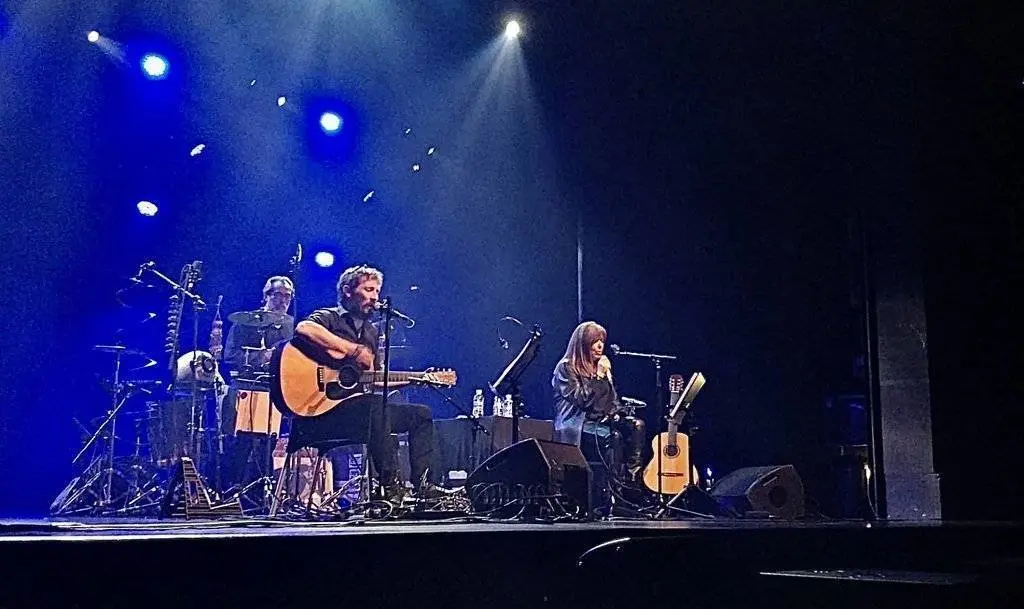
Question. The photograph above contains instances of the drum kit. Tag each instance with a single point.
(171, 419)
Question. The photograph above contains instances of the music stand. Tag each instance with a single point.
(678, 412)
(508, 381)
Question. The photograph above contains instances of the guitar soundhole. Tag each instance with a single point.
(348, 377)
(671, 451)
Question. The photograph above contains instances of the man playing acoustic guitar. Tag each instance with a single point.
(346, 333)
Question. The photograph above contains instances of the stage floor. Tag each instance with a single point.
(85, 529)
(254, 562)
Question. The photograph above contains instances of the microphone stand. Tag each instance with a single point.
(655, 359)
(385, 306)
(197, 305)
(293, 272)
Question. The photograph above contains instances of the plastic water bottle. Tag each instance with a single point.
(478, 403)
(497, 409)
(507, 406)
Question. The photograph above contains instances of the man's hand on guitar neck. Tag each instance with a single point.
(336, 346)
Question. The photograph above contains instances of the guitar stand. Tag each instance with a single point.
(689, 489)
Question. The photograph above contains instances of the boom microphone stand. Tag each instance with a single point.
(187, 291)
(655, 359)
(385, 305)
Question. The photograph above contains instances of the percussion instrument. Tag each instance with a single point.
(254, 412)
(199, 366)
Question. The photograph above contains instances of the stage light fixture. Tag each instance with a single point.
(512, 29)
(330, 122)
(146, 208)
(281, 101)
(154, 66)
(324, 259)
(93, 36)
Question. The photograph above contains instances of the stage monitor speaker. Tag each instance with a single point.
(532, 476)
(775, 491)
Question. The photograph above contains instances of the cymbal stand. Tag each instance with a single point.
(102, 465)
(266, 478)
(137, 492)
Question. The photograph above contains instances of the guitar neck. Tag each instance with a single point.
(673, 429)
(377, 376)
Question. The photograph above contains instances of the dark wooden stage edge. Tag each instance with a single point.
(262, 563)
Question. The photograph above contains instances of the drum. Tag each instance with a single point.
(198, 366)
(168, 430)
(255, 414)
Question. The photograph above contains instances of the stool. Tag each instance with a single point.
(318, 476)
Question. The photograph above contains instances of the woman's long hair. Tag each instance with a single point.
(577, 354)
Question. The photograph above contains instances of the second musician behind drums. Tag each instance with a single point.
(247, 351)
(248, 344)
(586, 404)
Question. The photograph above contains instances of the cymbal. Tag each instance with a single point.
(135, 294)
(116, 349)
(257, 319)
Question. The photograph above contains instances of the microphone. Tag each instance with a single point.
(381, 306)
(614, 349)
(142, 269)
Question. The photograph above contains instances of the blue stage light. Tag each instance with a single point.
(330, 122)
(146, 208)
(154, 66)
(324, 259)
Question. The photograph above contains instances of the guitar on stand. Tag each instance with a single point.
(670, 472)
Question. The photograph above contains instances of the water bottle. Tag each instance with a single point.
(507, 406)
(497, 409)
(478, 403)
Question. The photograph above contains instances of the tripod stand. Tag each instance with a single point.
(656, 360)
(252, 401)
(102, 468)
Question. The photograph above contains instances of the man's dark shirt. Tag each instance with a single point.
(343, 324)
(248, 336)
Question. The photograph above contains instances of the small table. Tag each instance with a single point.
(461, 448)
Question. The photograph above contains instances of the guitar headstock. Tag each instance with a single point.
(676, 382)
(447, 378)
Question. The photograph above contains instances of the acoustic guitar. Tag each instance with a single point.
(674, 448)
(308, 381)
